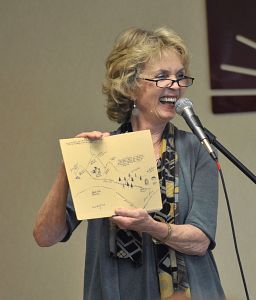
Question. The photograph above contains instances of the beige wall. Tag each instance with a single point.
(52, 63)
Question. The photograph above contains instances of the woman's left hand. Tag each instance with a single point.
(133, 219)
(184, 238)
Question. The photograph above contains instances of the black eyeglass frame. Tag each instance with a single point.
(172, 81)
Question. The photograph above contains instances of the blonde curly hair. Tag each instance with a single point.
(132, 50)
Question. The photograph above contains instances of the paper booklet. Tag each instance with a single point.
(118, 171)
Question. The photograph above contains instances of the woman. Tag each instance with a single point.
(134, 254)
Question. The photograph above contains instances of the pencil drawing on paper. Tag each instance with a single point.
(115, 174)
(104, 176)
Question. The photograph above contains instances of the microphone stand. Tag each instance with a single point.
(213, 140)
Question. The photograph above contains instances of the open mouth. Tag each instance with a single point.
(170, 100)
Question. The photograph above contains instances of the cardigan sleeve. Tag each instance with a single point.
(71, 218)
(201, 176)
(203, 213)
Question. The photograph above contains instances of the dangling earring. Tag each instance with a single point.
(135, 110)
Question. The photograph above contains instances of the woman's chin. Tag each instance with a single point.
(167, 112)
(165, 116)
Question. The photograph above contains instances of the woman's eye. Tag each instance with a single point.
(180, 76)
(161, 77)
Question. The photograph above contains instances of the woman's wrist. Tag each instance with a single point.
(161, 231)
(169, 233)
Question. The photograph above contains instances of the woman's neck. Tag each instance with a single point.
(156, 133)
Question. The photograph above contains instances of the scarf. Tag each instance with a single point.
(127, 244)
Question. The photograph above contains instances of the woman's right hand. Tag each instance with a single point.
(93, 135)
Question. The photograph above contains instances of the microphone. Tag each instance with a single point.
(184, 108)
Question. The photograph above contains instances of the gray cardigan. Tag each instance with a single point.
(108, 278)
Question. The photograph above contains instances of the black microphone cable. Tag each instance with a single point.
(233, 229)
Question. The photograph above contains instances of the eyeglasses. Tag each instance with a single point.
(184, 81)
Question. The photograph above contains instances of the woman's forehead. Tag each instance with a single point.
(169, 61)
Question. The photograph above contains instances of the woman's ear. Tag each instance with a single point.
(133, 94)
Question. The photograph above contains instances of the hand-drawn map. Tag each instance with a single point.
(114, 172)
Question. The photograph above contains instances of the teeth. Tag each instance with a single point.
(168, 100)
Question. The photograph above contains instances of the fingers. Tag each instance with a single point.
(122, 222)
(93, 135)
(134, 219)
(105, 134)
(125, 222)
(131, 213)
